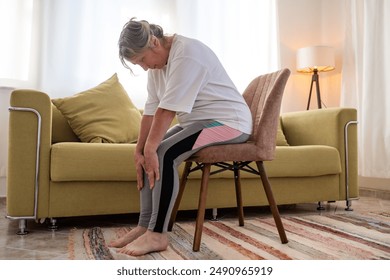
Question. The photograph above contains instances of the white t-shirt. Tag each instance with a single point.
(195, 85)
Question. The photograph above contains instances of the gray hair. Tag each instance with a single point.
(135, 38)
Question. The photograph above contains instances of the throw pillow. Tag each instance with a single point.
(103, 114)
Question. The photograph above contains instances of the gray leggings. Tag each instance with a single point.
(157, 204)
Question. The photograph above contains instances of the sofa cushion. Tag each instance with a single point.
(72, 161)
(102, 162)
(304, 161)
(103, 114)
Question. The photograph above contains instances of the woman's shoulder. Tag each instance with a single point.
(182, 43)
(189, 47)
(183, 40)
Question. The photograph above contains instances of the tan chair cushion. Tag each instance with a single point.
(103, 114)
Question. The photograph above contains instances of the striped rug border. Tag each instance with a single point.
(317, 237)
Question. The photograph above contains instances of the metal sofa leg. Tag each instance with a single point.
(348, 203)
(320, 206)
(22, 227)
(215, 214)
(53, 224)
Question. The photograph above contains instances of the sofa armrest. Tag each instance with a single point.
(329, 127)
(29, 154)
(317, 127)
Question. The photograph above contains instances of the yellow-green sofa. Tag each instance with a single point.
(51, 174)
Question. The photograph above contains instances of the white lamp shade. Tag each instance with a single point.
(316, 57)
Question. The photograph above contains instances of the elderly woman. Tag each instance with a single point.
(186, 80)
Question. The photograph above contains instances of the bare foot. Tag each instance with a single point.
(128, 237)
(147, 243)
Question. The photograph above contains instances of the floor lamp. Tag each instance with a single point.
(315, 59)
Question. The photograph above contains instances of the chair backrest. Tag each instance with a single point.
(264, 98)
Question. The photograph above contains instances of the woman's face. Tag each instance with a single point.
(152, 58)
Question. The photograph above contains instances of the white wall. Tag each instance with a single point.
(307, 23)
(4, 104)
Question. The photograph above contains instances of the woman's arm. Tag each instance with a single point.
(160, 125)
(146, 124)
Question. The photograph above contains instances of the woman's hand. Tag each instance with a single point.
(160, 124)
(139, 160)
(152, 167)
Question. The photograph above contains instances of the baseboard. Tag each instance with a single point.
(3, 187)
(368, 192)
(374, 187)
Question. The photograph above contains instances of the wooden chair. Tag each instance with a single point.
(264, 97)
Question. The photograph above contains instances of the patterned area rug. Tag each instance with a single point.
(319, 237)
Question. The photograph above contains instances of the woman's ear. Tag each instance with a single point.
(154, 42)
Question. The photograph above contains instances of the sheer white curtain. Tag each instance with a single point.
(365, 84)
(17, 47)
(79, 43)
(77, 39)
(244, 34)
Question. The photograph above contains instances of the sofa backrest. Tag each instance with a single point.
(61, 131)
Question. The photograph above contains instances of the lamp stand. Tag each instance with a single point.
(315, 79)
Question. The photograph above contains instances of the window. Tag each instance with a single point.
(77, 39)
(16, 27)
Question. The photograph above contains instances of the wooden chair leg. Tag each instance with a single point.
(201, 207)
(240, 208)
(272, 203)
(182, 186)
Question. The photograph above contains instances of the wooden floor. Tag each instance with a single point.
(44, 244)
